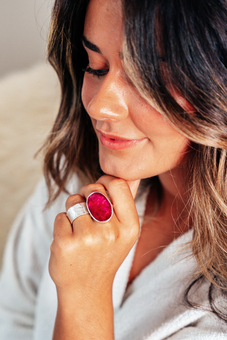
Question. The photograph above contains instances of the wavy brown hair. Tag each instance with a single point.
(190, 56)
(174, 45)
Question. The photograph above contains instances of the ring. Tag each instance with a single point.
(76, 210)
(99, 207)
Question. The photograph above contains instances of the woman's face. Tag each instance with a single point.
(135, 141)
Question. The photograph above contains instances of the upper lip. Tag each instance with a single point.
(107, 135)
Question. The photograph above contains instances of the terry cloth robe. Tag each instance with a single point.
(151, 308)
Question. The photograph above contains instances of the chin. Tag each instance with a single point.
(118, 171)
(108, 170)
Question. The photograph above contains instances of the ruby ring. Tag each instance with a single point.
(99, 207)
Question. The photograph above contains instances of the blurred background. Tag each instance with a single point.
(24, 28)
(29, 99)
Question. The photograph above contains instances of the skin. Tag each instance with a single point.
(117, 109)
(81, 262)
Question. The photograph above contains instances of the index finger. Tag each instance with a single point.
(121, 197)
(134, 185)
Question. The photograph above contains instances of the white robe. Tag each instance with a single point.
(152, 307)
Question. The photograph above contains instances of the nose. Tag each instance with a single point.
(109, 101)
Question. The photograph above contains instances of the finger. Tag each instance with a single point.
(121, 197)
(100, 211)
(88, 189)
(80, 221)
(72, 200)
(134, 185)
(62, 226)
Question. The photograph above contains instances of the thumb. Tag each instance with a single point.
(134, 185)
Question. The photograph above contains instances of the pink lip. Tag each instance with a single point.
(116, 142)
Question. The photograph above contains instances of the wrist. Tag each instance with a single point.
(86, 316)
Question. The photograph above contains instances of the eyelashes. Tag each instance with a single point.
(97, 73)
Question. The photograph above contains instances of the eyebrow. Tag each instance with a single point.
(89, 45)
(95, 48)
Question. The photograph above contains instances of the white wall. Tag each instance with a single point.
(29, 101)
(24, 27)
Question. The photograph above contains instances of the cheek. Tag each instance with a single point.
(148, 120)
(153, 124)
(165, 140)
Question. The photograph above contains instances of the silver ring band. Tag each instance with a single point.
(76, 210)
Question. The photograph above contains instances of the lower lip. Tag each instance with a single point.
(118, 144)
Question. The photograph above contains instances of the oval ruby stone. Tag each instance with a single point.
(99, 207)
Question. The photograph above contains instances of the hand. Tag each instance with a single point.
(85, 258)
(87, 255)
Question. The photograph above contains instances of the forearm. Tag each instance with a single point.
(84, 318)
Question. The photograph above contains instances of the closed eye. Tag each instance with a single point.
(97, 73)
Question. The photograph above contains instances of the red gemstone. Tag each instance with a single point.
(99, 206)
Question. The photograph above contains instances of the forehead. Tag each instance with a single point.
(103, 16)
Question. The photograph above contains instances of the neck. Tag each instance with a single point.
(174, 199)
(173, 183)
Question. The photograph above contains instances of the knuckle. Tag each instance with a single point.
(72, 200)
(119, 183)
(104, 178)
(135, 232)
(96, 187)
(132, 233)
(110, 235)
(60, 247)
(52, 247)
(59, 219)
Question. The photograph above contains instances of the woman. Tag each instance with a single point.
(142, 116)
